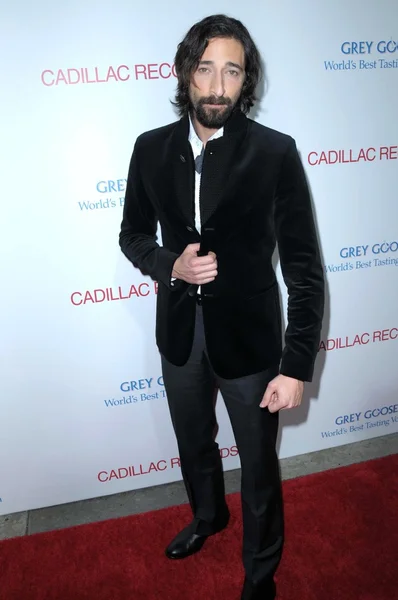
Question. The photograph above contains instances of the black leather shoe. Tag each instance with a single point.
(265, 590)
(188, 542)
(185, 544)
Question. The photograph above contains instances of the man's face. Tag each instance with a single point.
(217, 83)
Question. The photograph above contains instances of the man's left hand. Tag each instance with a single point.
(283, 392)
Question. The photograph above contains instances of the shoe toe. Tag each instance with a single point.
(183, 546)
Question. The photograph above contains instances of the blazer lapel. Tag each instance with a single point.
(221, 157)
(183, 169)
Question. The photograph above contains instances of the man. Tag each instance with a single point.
(224, 190)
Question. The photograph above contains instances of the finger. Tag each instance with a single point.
(202, 270)
(192, 248)
(267, 403)
(270, 390)
(276, 405)
(202, 279)
(267, 398)
(202, 260)
(209, 271)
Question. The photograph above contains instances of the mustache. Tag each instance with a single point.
(214, 100)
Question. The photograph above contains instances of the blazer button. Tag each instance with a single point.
(189, 228)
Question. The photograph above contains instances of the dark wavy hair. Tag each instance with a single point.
(192, 47)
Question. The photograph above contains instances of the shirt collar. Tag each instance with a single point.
(195, 139)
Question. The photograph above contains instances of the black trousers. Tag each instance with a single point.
(191, 392)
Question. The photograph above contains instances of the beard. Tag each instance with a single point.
(212, 118)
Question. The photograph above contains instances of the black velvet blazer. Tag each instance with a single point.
(253, 195)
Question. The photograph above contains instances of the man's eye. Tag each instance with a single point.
(202, 69)
(234, 73)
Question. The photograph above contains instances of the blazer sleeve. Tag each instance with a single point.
(137, 238)
(301, 266)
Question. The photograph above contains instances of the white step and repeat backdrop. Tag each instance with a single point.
(82, 403)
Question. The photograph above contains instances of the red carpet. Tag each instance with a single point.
(342, 544)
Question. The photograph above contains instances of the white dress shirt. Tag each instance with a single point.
(197, 145)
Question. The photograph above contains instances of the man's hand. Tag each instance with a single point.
(193, 268)
(282, 392)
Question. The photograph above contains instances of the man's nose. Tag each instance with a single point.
(217, 85)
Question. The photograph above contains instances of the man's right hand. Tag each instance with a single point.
(193, 268)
